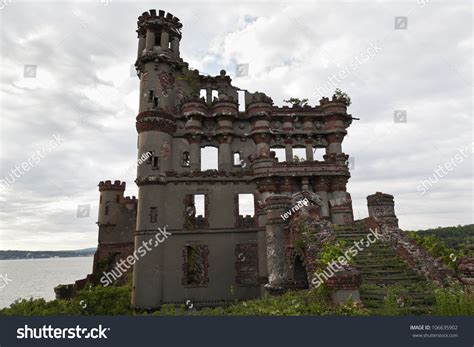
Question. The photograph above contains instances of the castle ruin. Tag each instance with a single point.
(218, 254)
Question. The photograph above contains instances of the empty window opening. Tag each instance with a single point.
(300, 275)
(153, 215)
(246, 205)
(203, 94)
(195, 266)
(155, 163)
(299, 154)
(151, 94)
(241, 94)
(280, 154)
(156, 101)
(149, 157)
(186, 159)
(199, 202)
(214, 94)
(237, 159)
(209, 158)
(157, 39)
(117, 198)
(318, 153)
(107, 207)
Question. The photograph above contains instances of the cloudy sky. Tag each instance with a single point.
(65, 74)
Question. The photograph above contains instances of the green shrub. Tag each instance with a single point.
(437, 249)
(453, 302)
(91, 301)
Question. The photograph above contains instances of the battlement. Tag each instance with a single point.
(151, 18)
(109, 186)
(130, 200)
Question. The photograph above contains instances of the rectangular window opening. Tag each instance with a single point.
(203, 94)
(209, 158)
(214, 94)
(149, 157)
(246, 205)
(280, 154)
(241, 94)
(151, 94)
(318, 153)
(155, 163)
(153, 215)
(237, 159)
(199, 205)
(157, 39)
(186, 159)
(299, 154)
(195, 266)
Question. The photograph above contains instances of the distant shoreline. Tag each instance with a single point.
(17, 255)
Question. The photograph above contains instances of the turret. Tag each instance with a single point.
(111, 194)
(259, 109)
(158, 33)
(158, 60)
(336, 122)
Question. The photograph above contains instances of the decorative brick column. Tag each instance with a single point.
(382, 206)
(341, 212)
(225, 153)
(321, 187)
(275, 239)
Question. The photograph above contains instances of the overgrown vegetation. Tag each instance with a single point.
(453, 302)
(438, 249)
(297, 102)
(116, 301)
(331, 251)
(93, 301)
(340, 94)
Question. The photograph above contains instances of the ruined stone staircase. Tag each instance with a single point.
(384, 272)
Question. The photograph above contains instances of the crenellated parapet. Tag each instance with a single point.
(151, 19)
(117, 185)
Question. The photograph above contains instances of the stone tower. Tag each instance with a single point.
(116, 221)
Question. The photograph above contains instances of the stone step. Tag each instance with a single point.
(383, 272)
(379, 265)
(395, 280)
